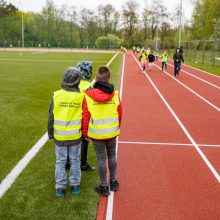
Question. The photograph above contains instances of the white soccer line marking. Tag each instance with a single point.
(191, 90)
(40, 52)
(20, 166)
(164, 143)
(211, 84)
(215, 173)
(110, 204)
(53, 61)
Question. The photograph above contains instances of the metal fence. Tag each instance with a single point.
(200, 53)
(46, 44)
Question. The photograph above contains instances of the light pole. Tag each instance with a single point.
(156, 38)
(22, 25)
(180, 22)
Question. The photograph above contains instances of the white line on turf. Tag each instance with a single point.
(191, 90)
(164, 143)
(53, 61)
(12, 176)
(214, 172)
(40, 52)
(20, 166)
(211, 84)
(110, 204)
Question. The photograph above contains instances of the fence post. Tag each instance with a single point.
(194, 43)
(203, 51)
(213, 52)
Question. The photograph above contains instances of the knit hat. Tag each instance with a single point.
(71, 78)
(86, 69)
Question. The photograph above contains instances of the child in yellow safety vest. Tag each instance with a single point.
(102, 113)
(143, 59)
(85, 85)
(164, 59)
(64, 126)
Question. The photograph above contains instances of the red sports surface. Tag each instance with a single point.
(162, 174)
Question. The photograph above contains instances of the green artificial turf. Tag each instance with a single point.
(26, 92)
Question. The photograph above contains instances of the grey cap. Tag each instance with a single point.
(71, 78)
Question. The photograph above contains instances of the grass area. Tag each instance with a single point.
(26, 90)
(205, 68)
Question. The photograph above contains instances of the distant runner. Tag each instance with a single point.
(177, 58)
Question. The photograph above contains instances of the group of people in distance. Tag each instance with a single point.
(81, 112)
(148, 56)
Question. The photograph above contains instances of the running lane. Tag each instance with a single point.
(215, 79)
(200, 119)
(158, 182)
(210, 93)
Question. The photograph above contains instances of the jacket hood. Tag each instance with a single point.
(71, 79)
(102, 92)
(105, 87)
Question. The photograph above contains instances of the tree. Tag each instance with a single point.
(130, 17)
(106, 12)
(205, 12)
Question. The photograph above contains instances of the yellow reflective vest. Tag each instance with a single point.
(164, 57)
(84, 85)
(67, 115)
(143, 57)
(104, 120)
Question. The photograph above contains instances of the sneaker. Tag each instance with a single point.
(75, 190)
(103, 190)
(60, 192)
(114, 186)
(87, 167)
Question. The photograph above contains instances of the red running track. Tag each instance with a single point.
(164, 181)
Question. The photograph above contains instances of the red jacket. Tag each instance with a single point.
(99, 96)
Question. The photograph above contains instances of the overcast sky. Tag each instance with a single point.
(37, 5)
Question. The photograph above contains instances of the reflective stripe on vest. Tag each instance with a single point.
(104, 122)
(67, 133)
(67, 123)
(67, 115)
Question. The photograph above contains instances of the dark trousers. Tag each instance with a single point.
(103, 150)
(84, 152)
(177, 67)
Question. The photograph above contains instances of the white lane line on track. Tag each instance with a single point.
(20, 166)
(164, 143)
(110, 204)
(211, 84)
(199, 70)
(205, 159)
(191, 90)
(52, 61)
(202, 71)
